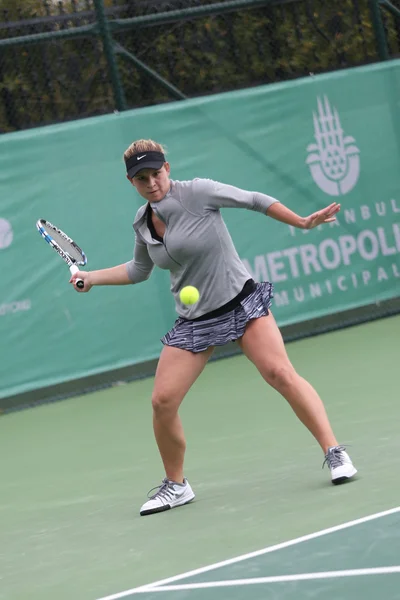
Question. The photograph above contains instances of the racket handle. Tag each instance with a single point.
(79, 282)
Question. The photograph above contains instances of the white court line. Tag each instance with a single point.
(277, 579)
(231, 561)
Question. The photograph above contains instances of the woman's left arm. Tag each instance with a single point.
(215, 195)
(281, 213)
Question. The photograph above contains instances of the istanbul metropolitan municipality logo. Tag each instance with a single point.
(334, 160)
(6, 234)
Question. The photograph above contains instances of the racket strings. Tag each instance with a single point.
(70, 252)
(68, 247)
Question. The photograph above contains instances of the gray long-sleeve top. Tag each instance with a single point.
(197, 248)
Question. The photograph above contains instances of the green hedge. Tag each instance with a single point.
(68, 79)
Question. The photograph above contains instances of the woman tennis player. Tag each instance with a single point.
(180, 228)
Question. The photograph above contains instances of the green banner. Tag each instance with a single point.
(333, 137)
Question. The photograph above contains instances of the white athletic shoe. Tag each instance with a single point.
(339, 462)
(169, 495)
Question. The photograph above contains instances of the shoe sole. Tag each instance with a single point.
(153, 511)
(344, 479)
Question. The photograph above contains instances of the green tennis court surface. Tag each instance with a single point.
(360, 559)
(74, 474)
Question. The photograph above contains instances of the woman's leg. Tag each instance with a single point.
(177, 370)
(262, 343)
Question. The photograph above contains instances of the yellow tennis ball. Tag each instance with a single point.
(189, 295)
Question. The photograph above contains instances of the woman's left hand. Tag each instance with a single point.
(326, 215)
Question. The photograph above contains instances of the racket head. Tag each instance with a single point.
(62, 243)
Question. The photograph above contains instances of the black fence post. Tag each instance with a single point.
(108, 45)
(380, 34)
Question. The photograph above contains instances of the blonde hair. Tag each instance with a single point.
(143, 146)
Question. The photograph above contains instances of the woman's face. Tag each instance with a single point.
(152, 184)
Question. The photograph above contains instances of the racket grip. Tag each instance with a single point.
(79, 282)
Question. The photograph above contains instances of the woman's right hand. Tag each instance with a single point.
(85, 276)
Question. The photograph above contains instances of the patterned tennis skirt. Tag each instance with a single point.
(197, 336)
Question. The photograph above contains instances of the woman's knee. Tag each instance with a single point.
(280, 376)
(163, 403)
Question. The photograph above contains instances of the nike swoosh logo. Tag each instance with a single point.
(140, 157)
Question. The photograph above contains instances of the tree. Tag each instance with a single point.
(67, 79)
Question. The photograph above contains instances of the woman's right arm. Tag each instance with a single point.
(137, 270)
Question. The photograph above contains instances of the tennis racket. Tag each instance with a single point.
(64, 246)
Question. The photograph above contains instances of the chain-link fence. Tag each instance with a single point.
(158, 51)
